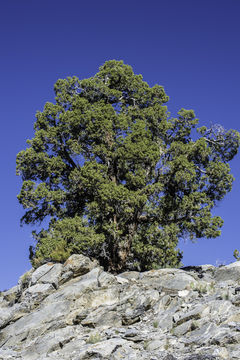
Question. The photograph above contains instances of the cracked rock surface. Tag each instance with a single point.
(76, 311)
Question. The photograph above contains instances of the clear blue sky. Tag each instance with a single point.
(191, 47)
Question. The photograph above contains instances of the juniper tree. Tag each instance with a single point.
(117, 178)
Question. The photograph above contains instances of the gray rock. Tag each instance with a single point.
(155, 344)
(47, 274)
(164, 321)
(7, 354)
(66, 276)
(103, 317)
(79, 265)
(76, 311)
(229, 272)
(75, 288)
(50, 342)
(168, 280)
(25, 280)
(40, 272)
(35, 294)
(101, 350)
(184, 328)
(11, 314)
(12, 295)
(106, 279)
(201, 357)
(196, 313)
(53, 276)
(130, 275)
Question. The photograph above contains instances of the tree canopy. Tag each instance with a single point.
(116, 178)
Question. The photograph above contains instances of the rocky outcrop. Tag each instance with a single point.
(76, 311)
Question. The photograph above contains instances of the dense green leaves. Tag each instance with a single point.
(116, 177)
(65, 237)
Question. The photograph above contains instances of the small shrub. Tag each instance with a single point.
(145, 344)
(212, 286)
(155, 324)
(226, 296)
(167, 345)
(94, 338)
(236, 255)
(192, 286)
(203, 288)
(25, 279)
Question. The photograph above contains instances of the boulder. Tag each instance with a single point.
(229, 272)
(79, 265)
(47, 274)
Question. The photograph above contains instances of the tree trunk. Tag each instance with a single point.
(124, 248)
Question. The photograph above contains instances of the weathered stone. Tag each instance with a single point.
(204, 272)
(234, 318)
(52, 276)
(183, 328)
(7, 354)
(229, 272)
(101, 350)
(40, 272)
(106, 279)
(202, 335)
(5, 317)
(11, 295)
(201, 357)
(47, 274)
(221, 310)
(66, 276)
(47, 343)
(183, 293)
(130, 275)
(36, 293)
(10, 314)
(76, 311)
(196, 313)
(25, 280)
(169, 357)
(164, 321)
(75, 288)
(79, 264)
(236, 301)
(122, 280)
(35, 323)
(168, 280)
(104, 317)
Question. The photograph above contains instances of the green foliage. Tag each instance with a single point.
(203, 288)
(167, 344)
(226, 296)
(155, 324)
(236, 255)
(94, 338)
(25, 278)
(116, 177)
(66, 237)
